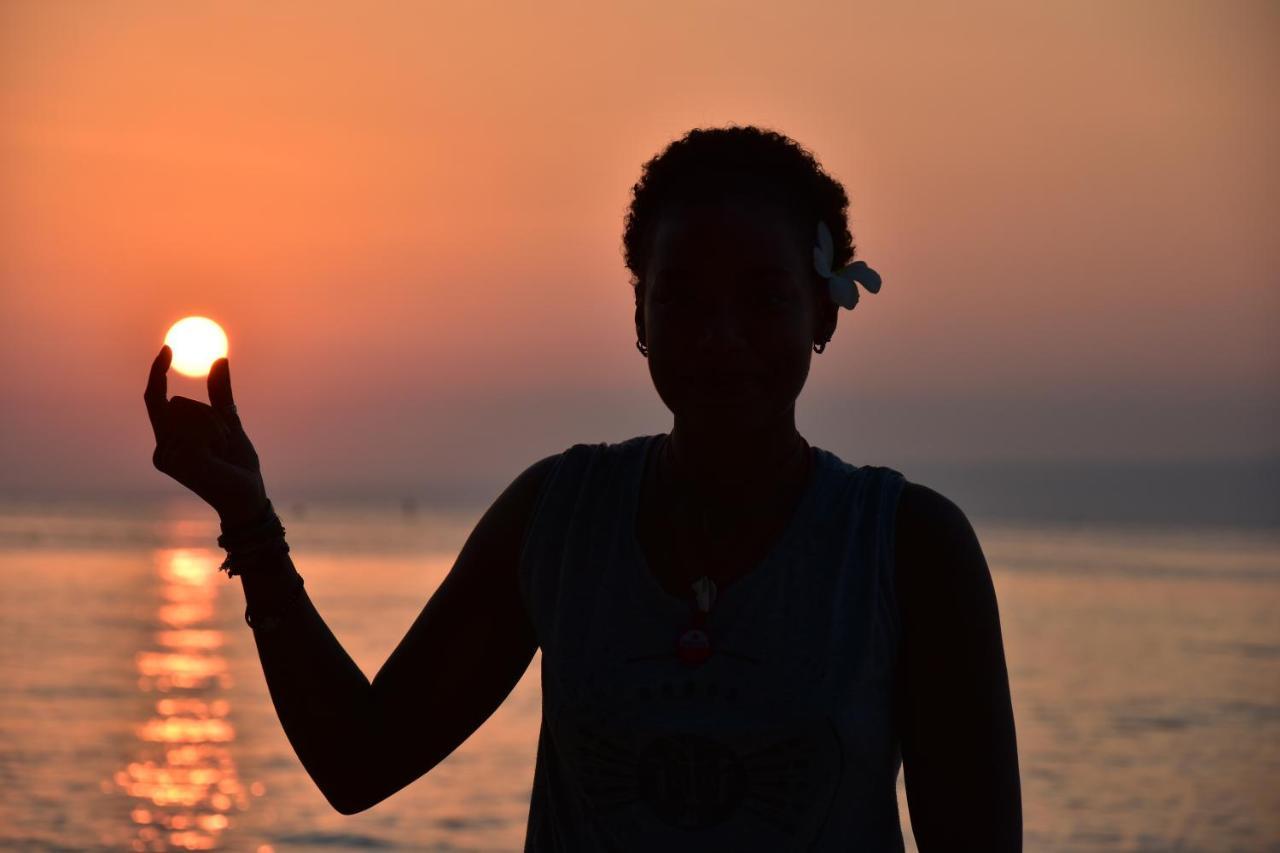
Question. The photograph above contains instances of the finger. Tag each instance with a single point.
(239, 448)
(191, 464)
(177, 401)
(184, 458)
(186, 462)
(225, 405)
(157, 389)
(170, 454)
(220, 384)
(187, 416)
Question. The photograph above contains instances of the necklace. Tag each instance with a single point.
(693, 643)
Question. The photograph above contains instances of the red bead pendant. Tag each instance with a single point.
(694, 646)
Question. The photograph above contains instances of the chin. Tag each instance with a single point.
(730, 411)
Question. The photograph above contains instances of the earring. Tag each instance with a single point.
(820, 347)
(644, 350)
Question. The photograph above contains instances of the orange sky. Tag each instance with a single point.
(408, 217)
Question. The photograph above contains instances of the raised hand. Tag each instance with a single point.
(203, 445)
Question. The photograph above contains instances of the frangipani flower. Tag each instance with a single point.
(841, 282)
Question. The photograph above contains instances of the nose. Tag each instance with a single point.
(722, 331)
(722, 348)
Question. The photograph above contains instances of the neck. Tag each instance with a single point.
(736, 471)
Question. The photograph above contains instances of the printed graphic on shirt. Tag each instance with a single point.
(642, 781)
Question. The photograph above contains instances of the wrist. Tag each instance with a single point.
(248, 542)
(245, 515)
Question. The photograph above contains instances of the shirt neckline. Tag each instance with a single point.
(648, 585)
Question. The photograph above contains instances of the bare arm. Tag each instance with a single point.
(955, 714)
(320, 695)
(360, 741)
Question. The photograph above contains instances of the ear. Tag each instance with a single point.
(640, 316)
(825, 316)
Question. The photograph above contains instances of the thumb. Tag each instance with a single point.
(220, 385)
(220, 398)
(223, 404)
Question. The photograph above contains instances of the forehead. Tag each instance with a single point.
(737, 232)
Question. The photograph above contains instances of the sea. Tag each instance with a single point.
(1144, 664)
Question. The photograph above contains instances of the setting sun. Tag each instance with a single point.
(197, 342)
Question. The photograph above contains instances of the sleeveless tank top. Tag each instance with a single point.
(782, 740)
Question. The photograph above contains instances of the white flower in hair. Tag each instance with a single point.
(841, 282)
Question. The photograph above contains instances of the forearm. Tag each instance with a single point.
(322, 698)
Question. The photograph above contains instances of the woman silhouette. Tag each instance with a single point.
(743, 635)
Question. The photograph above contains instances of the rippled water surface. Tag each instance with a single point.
(1144, 663)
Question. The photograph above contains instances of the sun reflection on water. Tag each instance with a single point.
(183, 777)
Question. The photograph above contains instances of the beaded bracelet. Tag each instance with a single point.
(266, 526)
(244, 542)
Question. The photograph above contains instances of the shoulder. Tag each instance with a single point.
(588, 451)
(936, 550)
(528, 484)
(924, 513)
(541, 469)
(515, 505)
(526, 487)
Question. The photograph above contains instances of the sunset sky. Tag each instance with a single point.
(408, 217)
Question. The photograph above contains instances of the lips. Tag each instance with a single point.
(722, 378)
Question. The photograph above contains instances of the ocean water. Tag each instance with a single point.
(1144, 665)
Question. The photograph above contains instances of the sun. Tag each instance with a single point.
(197, 342)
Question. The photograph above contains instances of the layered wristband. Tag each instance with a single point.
(245, 546)
(244, 543)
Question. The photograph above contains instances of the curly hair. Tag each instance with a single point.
(708, 164)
